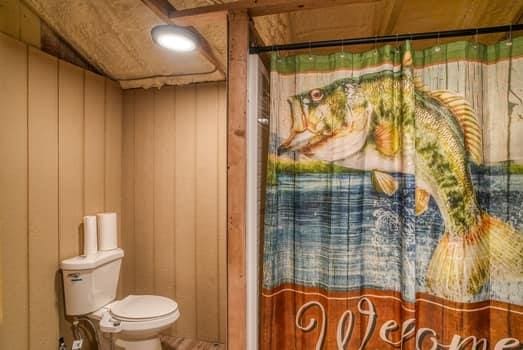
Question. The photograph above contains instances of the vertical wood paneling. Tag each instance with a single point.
(164, 163)
(113, 149)
(94, 144)
(174, 202)
(70, 188)
(144, 191)
(71, 120)
(206, 157)
(42, 183)
(19, 22)
(29, 26)
(128, 239)
(70, 139)
(185, 214)
(113, 157)
(13, 199)
(222, 210)
(10, 18)
(43, 199)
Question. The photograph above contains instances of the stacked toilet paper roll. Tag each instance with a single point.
(90, 235)
(107, 231)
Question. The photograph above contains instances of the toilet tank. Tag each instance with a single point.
(90, 282)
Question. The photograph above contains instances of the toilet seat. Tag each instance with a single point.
(137, 314)
(151, 325)
(139, 308)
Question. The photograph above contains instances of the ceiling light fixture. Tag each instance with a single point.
(174, 38)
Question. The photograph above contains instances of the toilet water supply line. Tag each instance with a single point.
(77, 334)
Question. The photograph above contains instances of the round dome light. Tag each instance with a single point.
(174, 38)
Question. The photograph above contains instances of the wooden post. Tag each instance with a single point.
(238, 46)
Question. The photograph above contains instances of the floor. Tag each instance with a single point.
(175, 343)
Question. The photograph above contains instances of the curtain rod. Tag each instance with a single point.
(386, 38)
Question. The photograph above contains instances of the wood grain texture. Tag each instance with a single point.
(128, 237)
(179, 343)
(94, 144)
(164, 164)
(19, 22)
(71, 170)
(71, 165)
(42, 185)
(256, 8)
(174, 162)
(236, 178)
(43, 199)
(185, 210)
(207, 291)
(10, 18)
(144, 191)
(29, 26)
(113, 156)
(13, 201)
(222, 211)
(113, 148)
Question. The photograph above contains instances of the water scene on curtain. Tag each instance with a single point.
(394, 212)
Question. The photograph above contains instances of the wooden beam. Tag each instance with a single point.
(389, 18)
(256, 39)
(162, 8)
(256, 8)
(238, 46)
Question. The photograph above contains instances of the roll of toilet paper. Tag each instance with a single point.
(107, 231)
(90, 236)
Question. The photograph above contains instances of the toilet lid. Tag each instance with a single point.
(143, 307)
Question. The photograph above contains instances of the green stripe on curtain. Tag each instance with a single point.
(455, 51)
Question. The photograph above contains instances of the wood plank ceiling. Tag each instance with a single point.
(114, 35)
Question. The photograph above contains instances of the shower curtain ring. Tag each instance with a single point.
(437, 48)
(310, 50)
(342, 49)
(509, 42)
(277, 52)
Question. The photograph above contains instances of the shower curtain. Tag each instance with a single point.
(394, 207)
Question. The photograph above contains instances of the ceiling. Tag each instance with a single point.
(391, 17)
(114, 36)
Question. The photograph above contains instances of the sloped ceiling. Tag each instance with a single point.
(114, 35)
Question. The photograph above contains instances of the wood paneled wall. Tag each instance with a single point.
(174, 206)
(19, 22)
(60, 152)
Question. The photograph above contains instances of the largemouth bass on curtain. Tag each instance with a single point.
(415, 151)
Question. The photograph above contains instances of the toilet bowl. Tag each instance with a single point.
(135, 322)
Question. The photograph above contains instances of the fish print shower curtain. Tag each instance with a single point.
(394, 207)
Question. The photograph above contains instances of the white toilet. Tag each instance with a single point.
(133, 323)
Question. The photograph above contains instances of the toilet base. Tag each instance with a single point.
(121, 343)
(147, 344)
